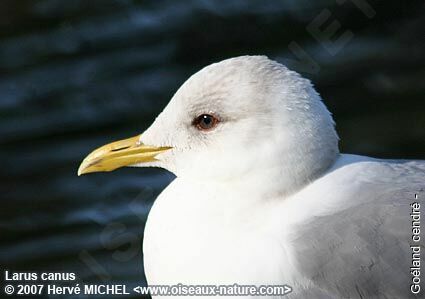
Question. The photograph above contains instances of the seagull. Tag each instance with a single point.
(262, 194)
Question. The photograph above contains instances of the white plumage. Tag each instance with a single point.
(265, 197)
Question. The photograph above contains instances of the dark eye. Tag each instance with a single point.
(205, 122)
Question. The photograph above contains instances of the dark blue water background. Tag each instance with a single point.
(77, 74)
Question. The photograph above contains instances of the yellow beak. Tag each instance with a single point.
(119, 154)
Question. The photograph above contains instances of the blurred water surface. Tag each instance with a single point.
(77, 74)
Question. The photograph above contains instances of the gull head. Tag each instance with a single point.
(242, 119)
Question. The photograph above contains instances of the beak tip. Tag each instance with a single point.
(81, 169)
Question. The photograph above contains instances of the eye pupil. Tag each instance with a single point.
(205, 122)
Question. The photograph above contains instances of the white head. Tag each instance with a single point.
(242, 119)
(270, 121)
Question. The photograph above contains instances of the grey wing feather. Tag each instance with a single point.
(364, 251)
